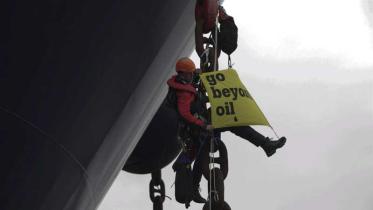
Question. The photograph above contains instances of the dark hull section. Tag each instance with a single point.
(37, 172)
(79, 82)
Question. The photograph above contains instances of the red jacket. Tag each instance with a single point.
(186, 94)
(207, 11)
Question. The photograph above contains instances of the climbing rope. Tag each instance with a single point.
(216, 43)
(212, 157)
(212, 160)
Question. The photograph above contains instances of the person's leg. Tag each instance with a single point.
(197, 167)
(248, 133)
(197, 174)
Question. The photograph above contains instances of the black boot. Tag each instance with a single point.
(197, 196)
(270, 147)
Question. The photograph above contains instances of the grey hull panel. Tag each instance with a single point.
(79, 83)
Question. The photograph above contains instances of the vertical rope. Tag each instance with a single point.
(216, 43)
(212, 133)
(211, 162)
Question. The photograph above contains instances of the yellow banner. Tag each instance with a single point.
(231, 103)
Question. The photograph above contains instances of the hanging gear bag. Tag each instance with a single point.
(228, 36)
(183, 183)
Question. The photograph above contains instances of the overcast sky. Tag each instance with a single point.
(309, 66)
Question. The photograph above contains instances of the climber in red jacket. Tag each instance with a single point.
(192, 110)
(191, 121)
(186, 93)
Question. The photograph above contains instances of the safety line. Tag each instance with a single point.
(212, 158)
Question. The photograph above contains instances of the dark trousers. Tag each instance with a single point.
(245, 132)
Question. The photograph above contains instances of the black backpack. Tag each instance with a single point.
(184, 185)
(171, 99)
(228, 36)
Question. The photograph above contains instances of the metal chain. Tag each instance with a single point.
(209, 170)
(157, 190)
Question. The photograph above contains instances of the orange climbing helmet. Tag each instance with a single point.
(185, 65)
